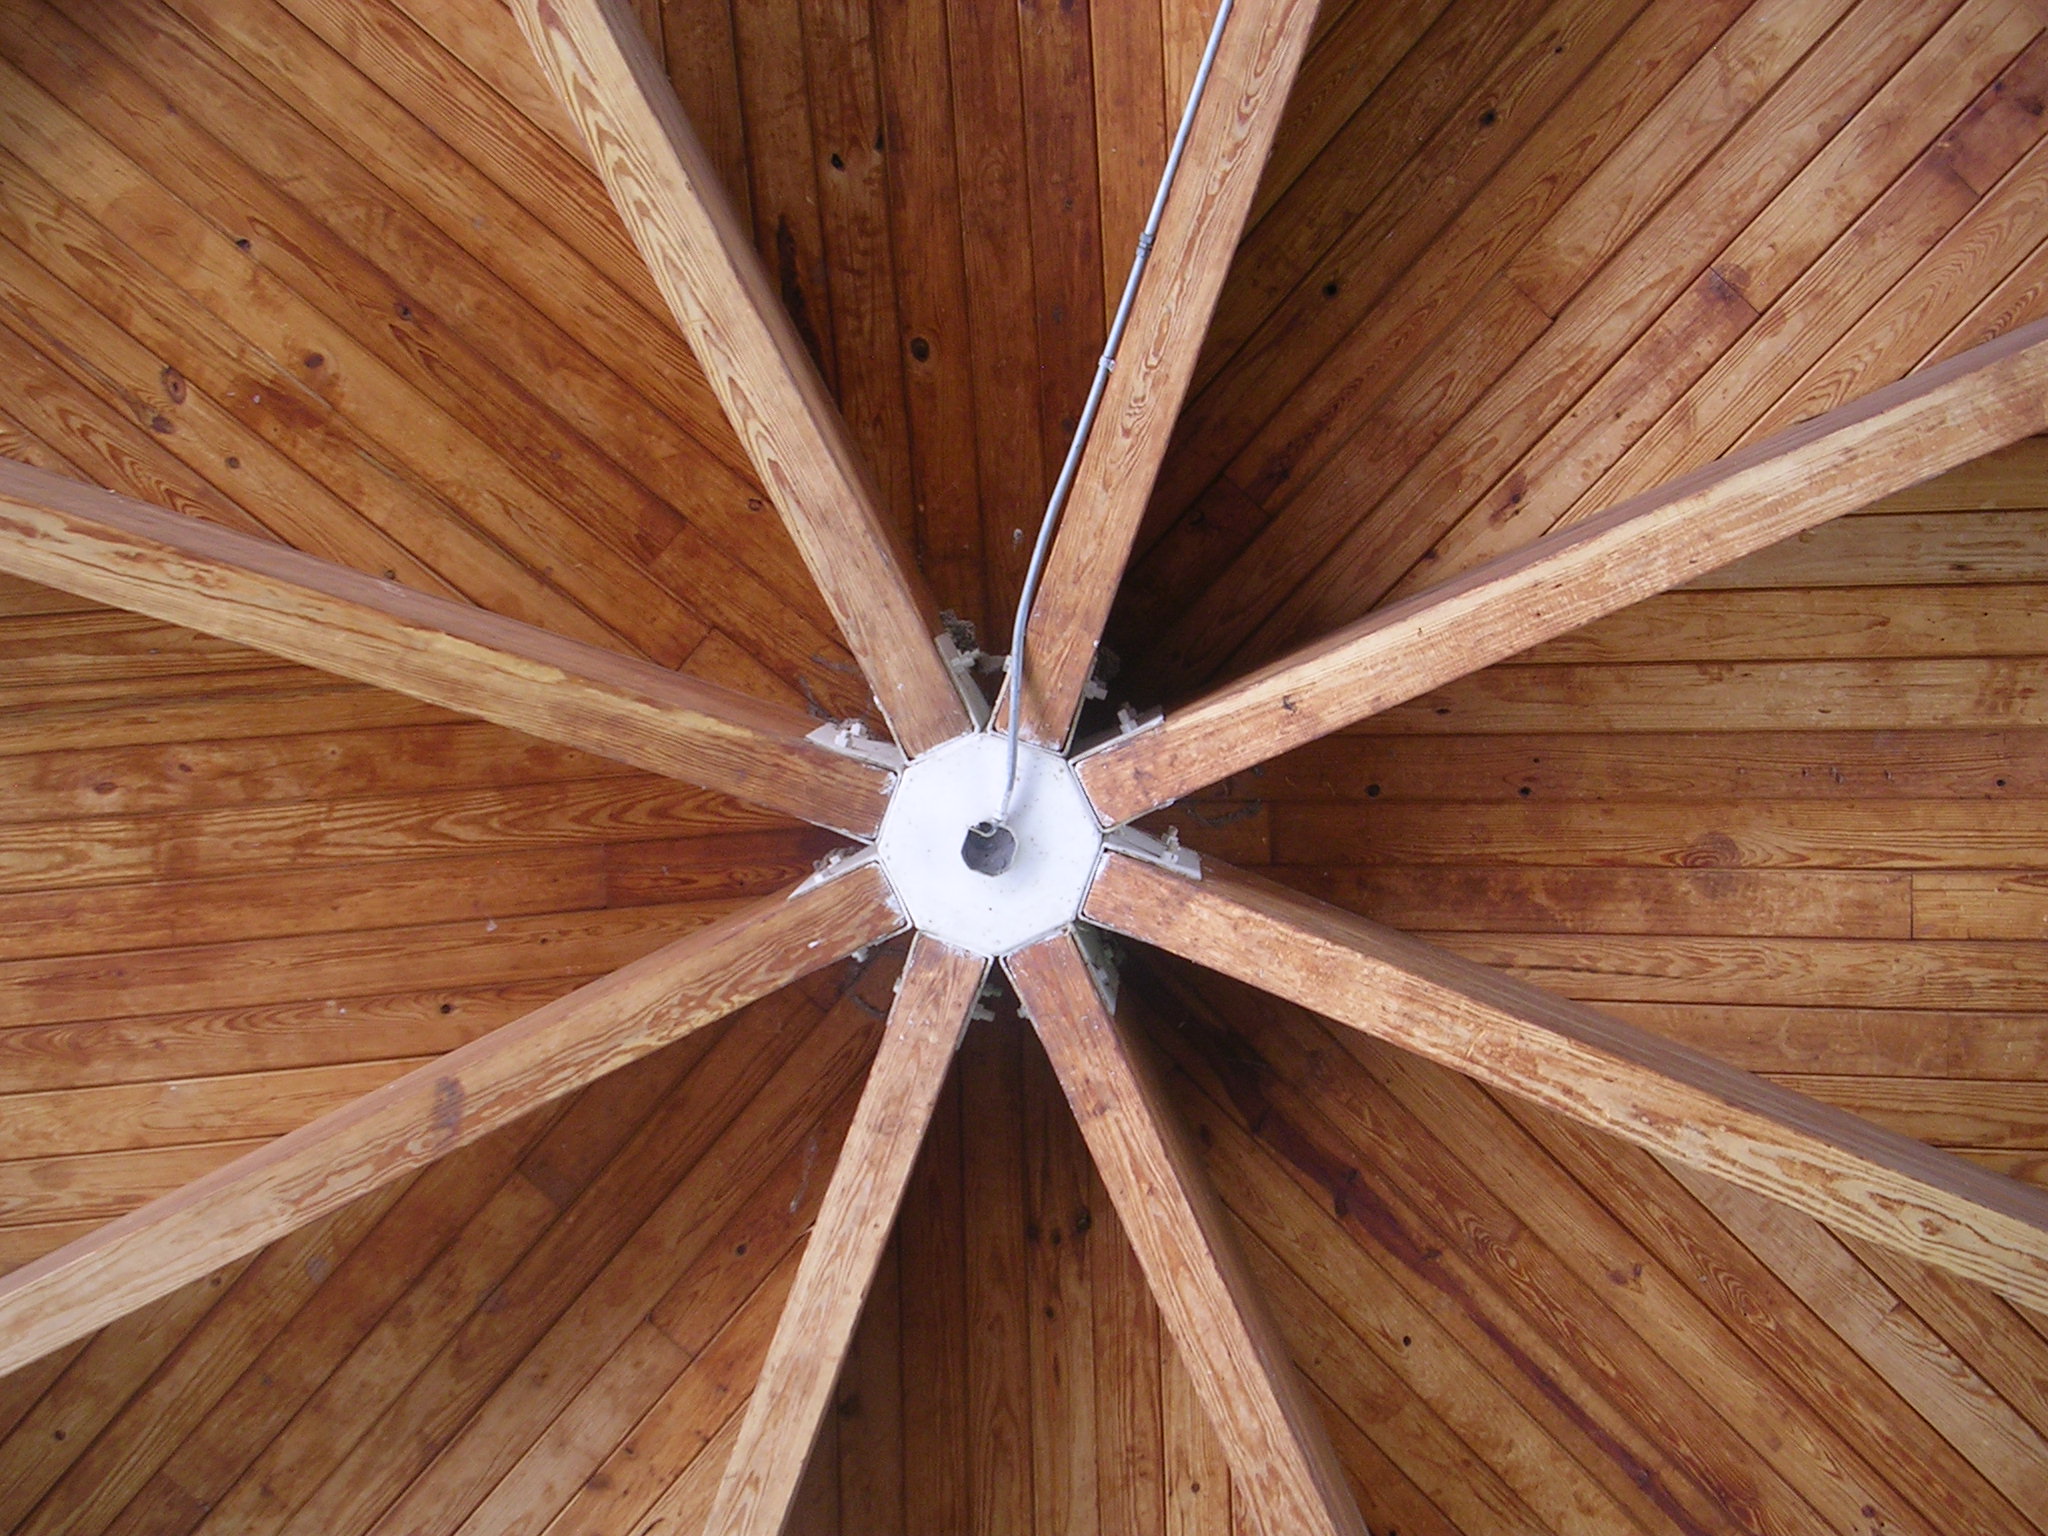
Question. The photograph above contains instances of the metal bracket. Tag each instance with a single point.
(1166, 852)
(960, 667)
(983, 1009)
(840, 861)
(1128, 723)
(1098, 953)
(849, 738)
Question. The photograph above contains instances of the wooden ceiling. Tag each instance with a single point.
(335, 270)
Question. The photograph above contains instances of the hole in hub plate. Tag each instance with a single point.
(989, 848)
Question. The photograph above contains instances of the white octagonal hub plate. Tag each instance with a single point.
(946, 792)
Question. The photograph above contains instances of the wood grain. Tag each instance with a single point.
(1233, 132)
(430, 1112)
(1593, 1068)
(115, 550)
(1277, 1446)
(1984, 399)
(670, 196)
(811, 1341)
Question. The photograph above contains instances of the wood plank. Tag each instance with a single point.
(938, 987)
(1823, 85)
(1569, 899)
(995, 1205)
(1951, 549)
(421, 1116)
(1057, 1294)
(294, 1369)
(1593, 1068)
(346, 1465)
(280, 1281)
(1418, 283)
(1772, 1321)
(924, 188)
(1708, 835)
(1533, 1234)
(730, 1155)
(669, 194)
(1615, 763)
(1280, 1454)
(478, 954)
(1940, 694)
(1949, 977)
(1231, 136)
(1927, 423)
(1916, 1360)
(125, 552)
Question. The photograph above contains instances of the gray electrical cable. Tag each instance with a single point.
(1103, 369)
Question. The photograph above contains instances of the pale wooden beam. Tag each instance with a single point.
(1232, 134)
(667, 191)
(1927, 423)
(933, 999)
(1659, 1094)
(429, 1112)
(114, 550)
(1280, 1454)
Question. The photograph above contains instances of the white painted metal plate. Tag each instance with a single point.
(946, 792)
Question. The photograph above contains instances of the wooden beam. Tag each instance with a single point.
(1233, 131)
(668, 192)
(1926, 423)
(114, 550)
(1280, 1454)
(1612, 1076)
(933, 999)
(429, 1112)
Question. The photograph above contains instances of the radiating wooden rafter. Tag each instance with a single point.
(428, 1113)
(1678, 1103)
(676, 210)
(1241, 1371)
(116, 550)
(933, 1001)
(1846, 458)
(1592, 1068)
(1230, 138)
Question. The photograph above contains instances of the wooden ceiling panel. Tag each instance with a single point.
(282, 256)
(234, 894)
(1707, 239)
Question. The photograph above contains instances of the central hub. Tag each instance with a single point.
(963, 881)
